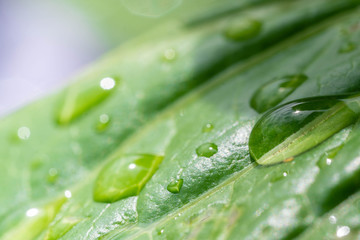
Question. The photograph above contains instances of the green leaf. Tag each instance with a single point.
(156, 110)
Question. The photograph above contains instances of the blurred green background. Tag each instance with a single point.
(43, 43)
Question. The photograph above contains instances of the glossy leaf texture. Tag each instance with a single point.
(216, 191)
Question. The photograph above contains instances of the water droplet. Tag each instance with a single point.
(275, 91)
(161, 232)
(326, 159)
(279, 177)
(332, 219)
(103, 122)
(24, 133)
(78, 100)
(169, 55)
(175, 186)
(342, 231)
(207, 150)
(207, 127)
(52, 175)
(347, 47)
(125, 176)
(298, 126)
(243, 29)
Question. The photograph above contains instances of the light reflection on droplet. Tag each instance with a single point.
(328, 161)
(67, 194)
(32, 212)
(132, 166)
(107, 83)
(342, 231)
(285, 174)
(24, 133)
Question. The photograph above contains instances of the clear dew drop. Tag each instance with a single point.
(243, 29)
(272, 93)
(80, 99)
(342, 231)
(207, 150)
(169, 55)
(23, 133)
(207, 128)
(293, 128)
(125, 176)
(175, 186)
(103, 122)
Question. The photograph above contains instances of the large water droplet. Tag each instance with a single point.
(298, 126)
(273, 92)
(125, 176)
(243, 29)
(207, 150)
(342, 231)
(103, 122)
(81, 99)
(175, 186)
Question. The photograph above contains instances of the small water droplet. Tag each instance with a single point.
(207, 150)
(327, 158)
(175, 186)
(300, 125)
(279, 177)
(32, 212)
(207, 128)
(125, 176)
(169, 55)
(243, 29)
(52, 175)
(103, 122)
(161, 232)
(342, 231)
(332, 219)
(347, 47)
(272, 93)
(24, 133)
